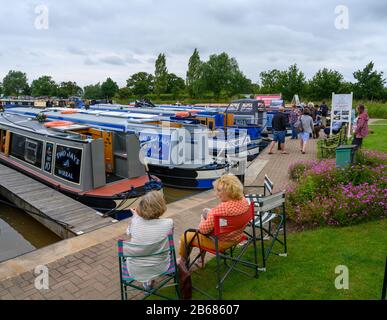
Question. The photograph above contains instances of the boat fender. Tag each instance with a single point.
(57, 124)
(182, 114)
(71, 111)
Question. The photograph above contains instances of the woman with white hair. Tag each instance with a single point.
(146, 227)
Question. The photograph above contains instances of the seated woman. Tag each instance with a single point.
(146, 227)
(229, 191)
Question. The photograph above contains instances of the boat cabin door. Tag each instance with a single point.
(5, 138)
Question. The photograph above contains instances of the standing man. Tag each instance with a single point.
(279, 123)
(324, 113)
(361, 130)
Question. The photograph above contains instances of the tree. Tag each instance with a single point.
(292, 82)
(239, 84)
(67, 89)
(44, 86)
(323, 83)
(287, 82)
(194, 75)
(124, 93)
(255, 88)
(161, 75)
(220, 73)
(140, 83)
(370, 83)
(270, 81)
(109, 88)
(345, 87)
(92, 91)
(15, 84)
(175, 84)
(1, 88)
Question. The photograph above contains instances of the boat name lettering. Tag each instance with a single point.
(69, 155)
(66, 174)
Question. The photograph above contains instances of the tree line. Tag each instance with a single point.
(219, 77)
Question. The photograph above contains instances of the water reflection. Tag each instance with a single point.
(20, 233)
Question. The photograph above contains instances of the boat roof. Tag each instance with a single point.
(31, 125)
(122, 122)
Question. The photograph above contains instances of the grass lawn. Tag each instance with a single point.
(377, 136)
(309, 270)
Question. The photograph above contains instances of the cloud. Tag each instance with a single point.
(131, 59)
(89, 62)
(88, 41)
(113, 60)
(77, 51)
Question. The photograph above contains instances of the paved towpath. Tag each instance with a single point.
(86, 267)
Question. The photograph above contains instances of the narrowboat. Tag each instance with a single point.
(175, 153)
(14, 102)
(242, 117)
(94, 166)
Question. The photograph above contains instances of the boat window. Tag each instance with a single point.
(48, 157)
(233, 106)
(31, 151)
(68, 163)
(27, 149)
(246, 107)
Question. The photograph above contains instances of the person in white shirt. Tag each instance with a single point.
(146, 227)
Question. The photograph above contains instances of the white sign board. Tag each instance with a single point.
(342, 109)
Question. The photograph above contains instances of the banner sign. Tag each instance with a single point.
(342, 109)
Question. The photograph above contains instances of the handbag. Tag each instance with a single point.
(298, 125)
(185, 282)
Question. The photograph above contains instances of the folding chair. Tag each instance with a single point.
(267, 189)
(384, 282)
(224, 225)
(265, 212)
(144, 262)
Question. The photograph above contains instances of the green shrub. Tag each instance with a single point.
(324, 194)
(297, 170)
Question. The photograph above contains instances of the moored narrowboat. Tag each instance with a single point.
(178, 154)
(85, 163)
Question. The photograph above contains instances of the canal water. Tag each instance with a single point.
(20, 233)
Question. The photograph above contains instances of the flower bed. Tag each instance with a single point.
(322, 194)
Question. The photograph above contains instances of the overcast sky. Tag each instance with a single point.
(89, 40)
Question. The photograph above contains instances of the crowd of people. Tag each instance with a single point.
(307, 121)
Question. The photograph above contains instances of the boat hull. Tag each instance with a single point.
(99, 203)
(200, 178)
